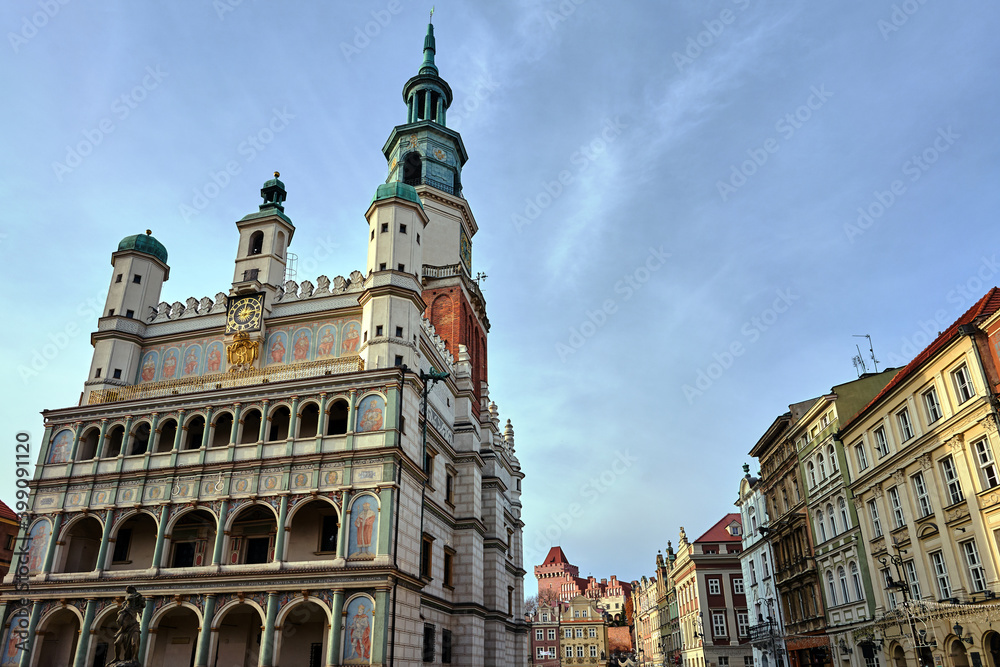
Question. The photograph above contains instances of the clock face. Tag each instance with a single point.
(244, 313)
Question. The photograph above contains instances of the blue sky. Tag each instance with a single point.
(686, 209)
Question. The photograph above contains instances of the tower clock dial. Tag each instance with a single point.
(243, 313)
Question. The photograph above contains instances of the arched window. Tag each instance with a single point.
(832, 453)
(309, 421)
(411, 168)
(845, 518)
(88, 445)
(280, 247)
(279, 419)
(831, 586)
(256, 243)
(115, 437)
(167, 433)
(822, 466)
(195, 432)
(140, 439)
(842, 575)
(859, 590)
(753, 519)
(821, 527)
(338, 418)
(811, 469)
(251, 427)
(829, 517)
(223, 430)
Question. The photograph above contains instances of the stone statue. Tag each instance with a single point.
(127, 636)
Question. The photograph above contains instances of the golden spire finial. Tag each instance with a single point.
(277, 173)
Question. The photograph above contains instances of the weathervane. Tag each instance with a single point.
(432, 14)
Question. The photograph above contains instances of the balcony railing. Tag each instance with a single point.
(228, 380)
(437, 185)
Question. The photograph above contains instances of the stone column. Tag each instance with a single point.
(336, 623)
(220, 535)
(161, 533)
(147, 616)
(205, 637)
(439, 116)
(264, 421)
(206, 436)
(100, 439)
(323, 418)
(83, 644)
(152, 433)
(36, 609)
(345, 525)
(293, 423)
(267, 641)
(279, 544)
(177, 438)
(76, 442)
(126, 443)
(102, 553)
(50, 551)
(237, 411)
(385, 521)
(427, 105)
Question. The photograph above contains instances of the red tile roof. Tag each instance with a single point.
(555, 555)
(985, 307)
(6, 512)
(718, 532)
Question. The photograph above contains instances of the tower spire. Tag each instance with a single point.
(428, 66)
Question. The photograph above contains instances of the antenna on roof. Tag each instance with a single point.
(859, 362)
(871, 349)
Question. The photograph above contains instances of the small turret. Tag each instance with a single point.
(263, 248)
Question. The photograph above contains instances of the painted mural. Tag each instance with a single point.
(358, 631)
(284, 345)
(59, 450)
(38, 543)
(371, 410)
(11, 652)
(362, 542)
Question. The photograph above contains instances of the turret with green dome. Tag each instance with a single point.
(145, 243)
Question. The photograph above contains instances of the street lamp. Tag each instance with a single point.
(958, 633)
(919, 638)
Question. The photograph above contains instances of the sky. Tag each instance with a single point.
(687, 210)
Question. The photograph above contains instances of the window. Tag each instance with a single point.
(821, 464)
(449, 568)
(593, 649)
(381, 266)
(426, 552)
(552, 632)
(763, 562)
(821, 527)
(890, 593)
(118, 278)
(963, 384)
(428, 642)
(583, 613)
(842, 575)
(738, 585)
(752, 517)
(568, 632)
(987, 466)
(859, 453)
(385, 227)
(920, 488)
(378, 329)
(98, 373)
(832, 588)
(941, 575)
(401, 268)
(398, 361)
(753, 573)
(373, 235)
(748, 661)
(911, 578)
(951, 478)
(130, 314)
(579, 651)
(811, 472)
(830, 519)
(591, 632)
(723, 661)
(329, 528)
(122, 544)
(539, 635)
(876, 524)
(713, 587)
(540, 653)
(832, 454)
(743, 623)
(545, 619)
(399, 332)
(449, 489)
(418, 239)
(905, 427)
(111, 311)
(137, 279)
(897, 507)
(579, 633)
(845, 518)
(117, 374)
(932, 405)
(859, 591)
(719, 623)
(977, 575)
(881, 442)
(569, 650)
(402, 228)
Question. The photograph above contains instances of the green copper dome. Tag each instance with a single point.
(396, 189)
(144, 243)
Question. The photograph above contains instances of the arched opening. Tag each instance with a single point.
(250, 427)
(175, 639)
(313, 532)
(411, 168)
(256, 243)
(992, 644)
(88, 444)
(251, 537)
(959, 656)
(280, 247)
(195, 432)
(239, 636)
(899, 657)
(337, 425)
(279, 419)
(140, 439)
(168, 433)
(56, 639)
(81, 542)
(303, 635)
(114, 438)
(223, 430)
(926, 658)
(192, 540)
(134, 543)
(102, 646)
(309, 421)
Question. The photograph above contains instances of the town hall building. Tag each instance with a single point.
(289, 473)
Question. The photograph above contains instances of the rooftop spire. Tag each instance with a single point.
(428, 66)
